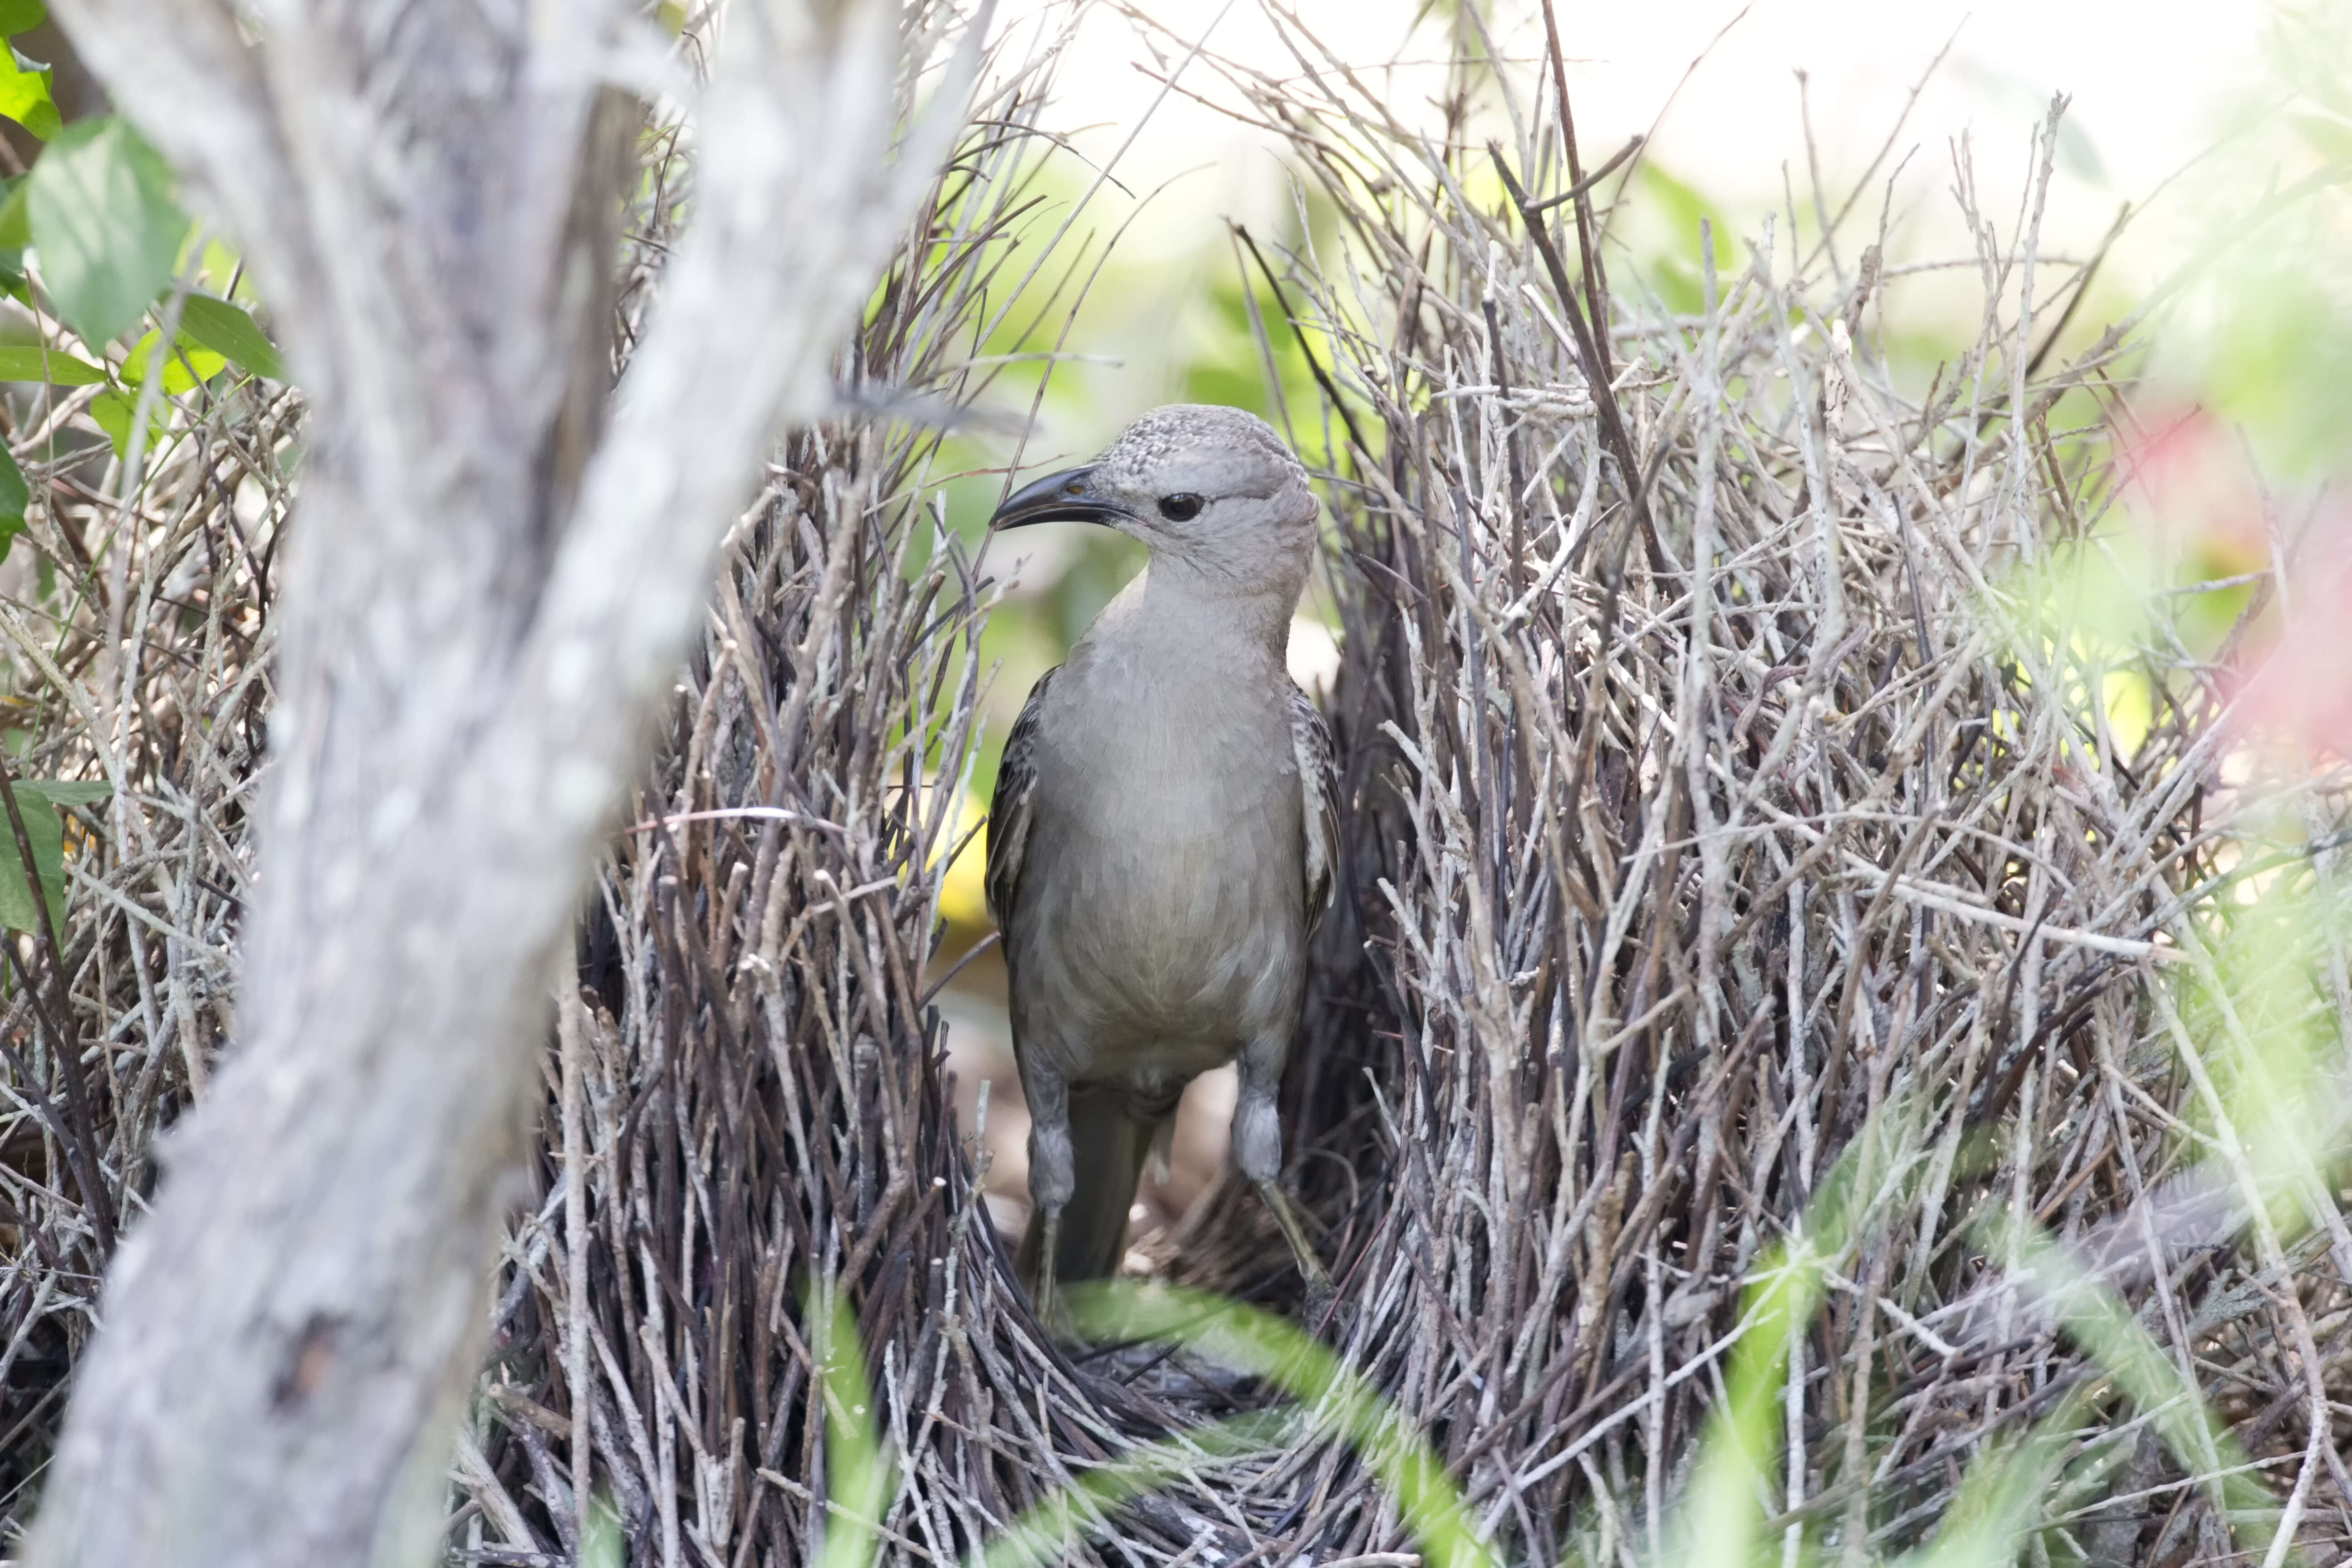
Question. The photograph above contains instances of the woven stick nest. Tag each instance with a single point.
(1722, 811)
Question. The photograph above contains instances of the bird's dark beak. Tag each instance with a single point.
(1066, 497)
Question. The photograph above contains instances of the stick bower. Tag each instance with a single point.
(1721, 788)
(1717, 789)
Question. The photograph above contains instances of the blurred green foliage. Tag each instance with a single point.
(107, 225)
(2224, 454)
(2225, 457)
(2262, 333)
(1662, 228)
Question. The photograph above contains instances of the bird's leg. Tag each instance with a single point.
(1319, 1293)
(1257, 1149)
(1052, 1178)
(1044, 1298)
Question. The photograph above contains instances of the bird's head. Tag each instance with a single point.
(1214, 488)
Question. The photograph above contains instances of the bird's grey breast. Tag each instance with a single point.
(1167, 853)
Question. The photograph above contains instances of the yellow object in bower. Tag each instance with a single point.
(964, 894)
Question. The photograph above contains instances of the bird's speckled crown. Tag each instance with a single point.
(1247, 445)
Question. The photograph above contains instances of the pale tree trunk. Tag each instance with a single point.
(470, 661)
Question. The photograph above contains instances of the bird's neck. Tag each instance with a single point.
(1211, 606)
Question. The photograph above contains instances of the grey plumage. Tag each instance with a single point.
(1164, 832)
(1319, 775)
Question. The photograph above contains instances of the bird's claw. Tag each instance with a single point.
(1322, 1298)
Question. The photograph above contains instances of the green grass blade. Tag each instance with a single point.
(1426, 1497)
(857, 1475)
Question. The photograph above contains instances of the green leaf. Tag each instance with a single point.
(114, 412)
(231, 333)
(48, 838)
(105, 224)
(68, 792)
(31, 362)
(25, 96)
(15, 220)
(187, 365)
(21, 17)
(1678, 270)
(37, 801)
(14, 495)
(603, 1546)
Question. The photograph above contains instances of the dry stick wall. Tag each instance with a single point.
(749, 1077)
(134, 650)
(1685, 844)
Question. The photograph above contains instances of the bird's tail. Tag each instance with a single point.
(1110, 1143)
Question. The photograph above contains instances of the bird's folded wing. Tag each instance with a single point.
(1009, 811)
(1318, 780)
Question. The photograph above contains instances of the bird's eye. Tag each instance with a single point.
(1182, 507)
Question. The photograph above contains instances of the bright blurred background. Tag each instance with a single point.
(2193, 122)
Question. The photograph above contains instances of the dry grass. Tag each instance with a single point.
(1696, 822)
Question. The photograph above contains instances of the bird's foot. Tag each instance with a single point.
(1320, 1295)
(1322, 1301)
